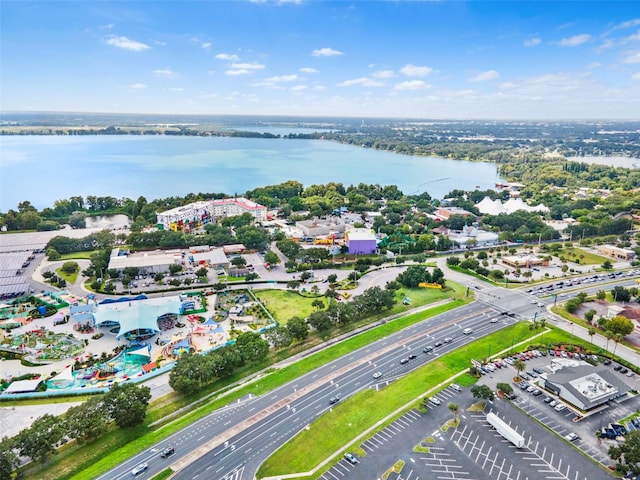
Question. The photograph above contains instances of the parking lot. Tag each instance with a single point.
(475, 450)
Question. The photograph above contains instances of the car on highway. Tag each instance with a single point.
(333, 400)
(377, 375)
(167, 452)
(494, 320)
(351, 458)
(437, 344)
(139, 469)
(427, 349)
(448, 340)
(404, 361)
(467, 331)
(412, 356)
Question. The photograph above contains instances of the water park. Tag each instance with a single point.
(80, 344)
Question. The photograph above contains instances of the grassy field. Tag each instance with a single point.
(78, 255)
(584, 257)
(284, 304)
(346, 421)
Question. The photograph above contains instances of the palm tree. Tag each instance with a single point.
(454, 408)
(519, 366)
(617, 338)
(591, 333)
(609, 334)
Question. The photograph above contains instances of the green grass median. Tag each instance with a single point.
(358, 413)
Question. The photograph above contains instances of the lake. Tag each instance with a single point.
(42, 169)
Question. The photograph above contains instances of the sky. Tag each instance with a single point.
(404, 59)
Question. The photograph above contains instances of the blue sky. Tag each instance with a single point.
(417, 59)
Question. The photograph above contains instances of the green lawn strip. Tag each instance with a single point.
(78, 255)
(584, 257)
(284, 304)
(117, 453)
(166, 473)
(359, 413)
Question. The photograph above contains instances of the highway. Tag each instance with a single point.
(231, 443)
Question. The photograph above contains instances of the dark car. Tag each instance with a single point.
(427, 349)
(624, 370)
(539, 371)
(333, 400)
(617, 368)
(437, 344)
(167, 452)
(607, 362)
(412, 356)
(404, 361)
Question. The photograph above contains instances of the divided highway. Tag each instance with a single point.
(232, 442)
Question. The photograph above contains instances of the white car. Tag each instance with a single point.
(494, 320)
(467, 331)
(571, 437)
(560, 407)
(139, 469)
(435, 400)
(377, 375)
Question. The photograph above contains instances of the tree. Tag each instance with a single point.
(505, 388)
(320, 321)
(601, 294)
(298, 328)
(628, 453)
(591, 333)
(127, 403)
(617, 338)
(453, 407)
(70, 267)
(251, 276)
(9, 460)
(39, 441)
(271, 258)
(293, 284)
(87, 421)
(317, 303)
(620, 294)
(413, 275)
(589, 315)
(279, 337)
(238, 261)
(332, 278)
(175, 268)
(482, 391)
(252, 347)
(607, 265)
(519, 366)
(304, 276)
(620, 325)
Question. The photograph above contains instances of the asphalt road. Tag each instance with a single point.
(234, 442)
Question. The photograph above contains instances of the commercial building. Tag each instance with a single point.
(194, 215)
(361, 241)
(524, 261)
(583, 385)
(473, 236)
(618, 253)
(321, 227)
(147, 262)
(443, 213)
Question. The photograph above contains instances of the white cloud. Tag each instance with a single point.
(137, 86)
(308, 70)
(206, 45)
(363, 81)
(247, 66)
(227, 56)
(632, 57)
(383, 74)
(127, 44)
(411, 85)
(319, 88)
(325, 52)
(484, 76)
(283, 78)
(165, 73)
(241, 71)
(628, 24)
(415, 71)
(532, 42)
(636, 76)
(575, 40)
(631, 38)
(298, 88)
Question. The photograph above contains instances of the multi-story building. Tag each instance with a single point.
(189, 217)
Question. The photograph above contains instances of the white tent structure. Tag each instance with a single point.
(496, 207)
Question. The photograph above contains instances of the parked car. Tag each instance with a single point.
(560, 407)
(539, 371)
(435, 400)
(456, 387)
(571, 437)
(351, 458)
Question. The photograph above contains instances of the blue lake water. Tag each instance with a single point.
(42, 169)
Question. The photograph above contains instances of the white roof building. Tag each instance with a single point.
(495, 207)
